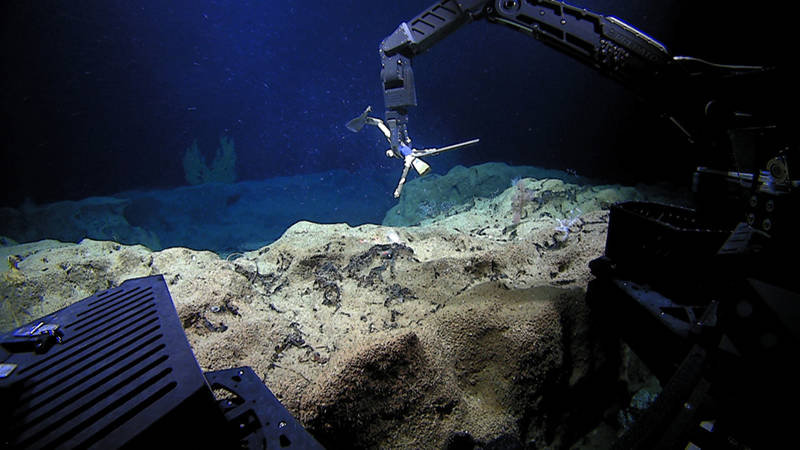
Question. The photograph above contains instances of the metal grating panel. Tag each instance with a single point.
(122, 365)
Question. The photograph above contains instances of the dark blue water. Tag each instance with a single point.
(101, 97)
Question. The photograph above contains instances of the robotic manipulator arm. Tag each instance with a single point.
(397, 76)
(605, 43)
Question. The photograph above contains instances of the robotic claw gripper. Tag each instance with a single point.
(410, 156)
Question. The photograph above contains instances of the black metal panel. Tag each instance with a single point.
(120, 365)
(259, 420)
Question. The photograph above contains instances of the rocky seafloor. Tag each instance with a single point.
(467, 328)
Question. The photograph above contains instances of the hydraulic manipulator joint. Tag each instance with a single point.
(399, 94)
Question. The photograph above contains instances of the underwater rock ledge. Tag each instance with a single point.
(469, 328)
(388, 337)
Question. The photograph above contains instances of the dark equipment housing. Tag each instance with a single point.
(115, 370)
(713, 316)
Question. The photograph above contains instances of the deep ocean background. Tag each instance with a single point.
(104, 96)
